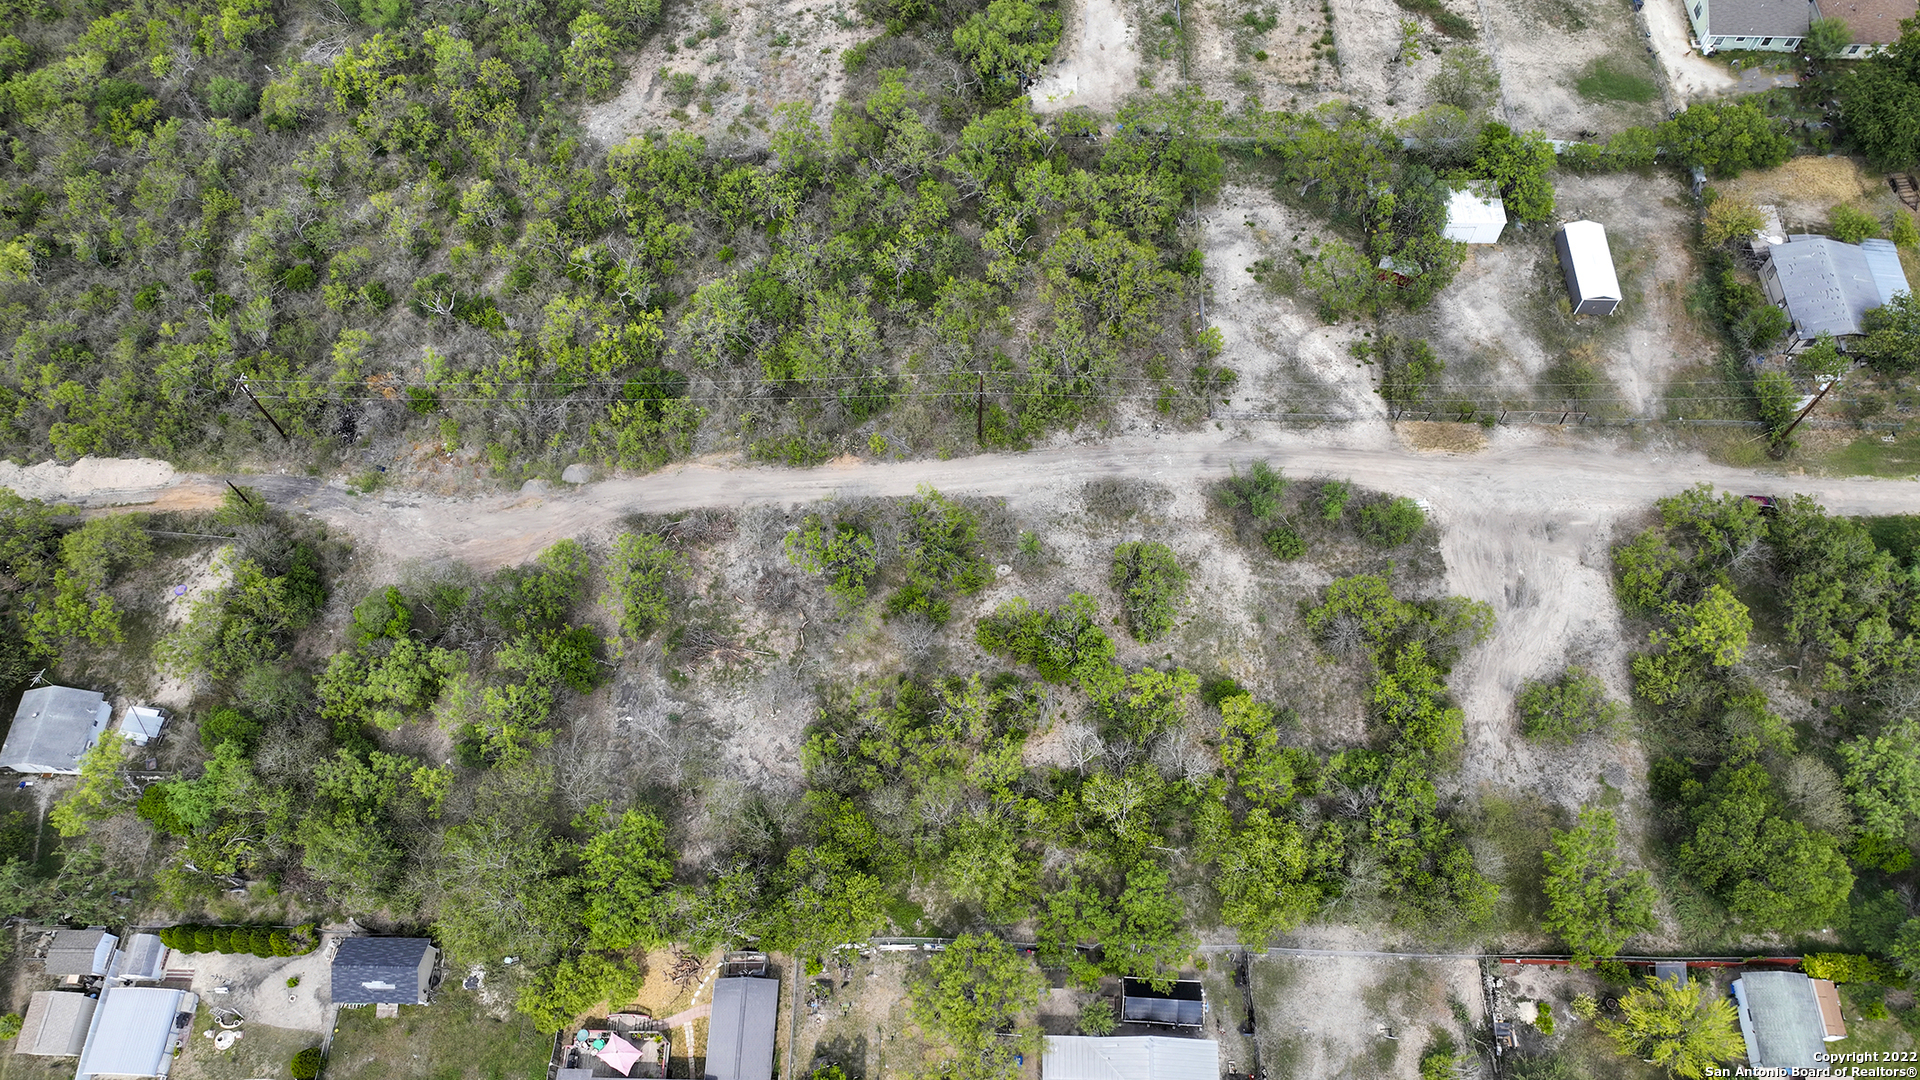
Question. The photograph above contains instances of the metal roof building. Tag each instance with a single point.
(382, 971)
(1184, 1004)
(1474, 217)
(53, 728)
(1781, 1019)
(1150, 1057)
(740, 1029)
(1827, 286)
(144, 959)
(135, 1031)
(142, 723)
(81, 952)
(1586, 260)
(55, 1024)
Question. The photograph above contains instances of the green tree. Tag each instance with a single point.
(1262, 871)
(1883, 778)
(588, 65)
(1466, 80)
(561, 993)
(100, 792)
(1519, 164)
(1725, 138)
(1826, 37)
(973, 989)
(1151, 583)
(1567, 707)
(1730, 218)
(844, 552)
(1007, 44)
(1686, 1029)
(1593, 901)
(1258, 491)
(642, 573)
(1850, 226)
(623, 869)
(1891, 340)
(1772, 872)
(306, 1064)
(1391, 523)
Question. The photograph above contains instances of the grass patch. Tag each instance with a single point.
(1869, 456)
(1443, 20)
(1607, 81)
(264, 1051)
(455, 1038)
(1518, 828)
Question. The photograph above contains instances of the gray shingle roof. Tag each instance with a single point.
(378, 971)
(1758, 18)
(80, 952)
(52, 728)
(55, 1024)
(740, 1029)
(1780, 1019)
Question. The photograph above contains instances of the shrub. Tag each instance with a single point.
(1585, 1006)
(1096, 1017)
(1544, 1018)
(230, 98)
(1257, 492)
(1562, 709)
(1334, 495)
(228, 725)
(209, 939)
(1392, 523)
(1850, 226)
(260, 942)
(306, 1064)
(1850, 968)
(9, 1026)
(281, 944)
(1285, 544)
(1151, 582)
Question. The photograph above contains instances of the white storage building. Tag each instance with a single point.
(1474, 217)
(1588, 263)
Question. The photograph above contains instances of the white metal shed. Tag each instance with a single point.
(1474, 218)
(1588, 264)
(1130, 1057)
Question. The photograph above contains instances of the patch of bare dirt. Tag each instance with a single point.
(1097, 64)
(89, 479)
(1806, 188)
(1437, 437)
(1544, 48)
(1358, 1016)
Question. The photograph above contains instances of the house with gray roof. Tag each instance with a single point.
(135, 1031)
(383, 971)
(53, 728)
(1783, 1020)
(1762, 25)
(81, 952)
(55, 1025)
(1149, 1057)
(740, 1029)
(1827, 287)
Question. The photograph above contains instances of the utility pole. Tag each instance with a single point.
(980, 412)
(243, 496)
(1831, 383)
(248, 390)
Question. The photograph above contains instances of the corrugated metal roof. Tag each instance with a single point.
(1758, 18)
(740, 1029)
(378, 971)
(55, 1024)
(1150, 1057)
(1826, 285)
(1592, 260)
(132, 1032)
(1780, 1018)
(143, 958)
(52, 728)
(142, 724)
(1468, 207)
(1183, 1004)
(1883, 265)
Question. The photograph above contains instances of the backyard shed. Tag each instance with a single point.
(80, 952)
(382, 971)
(1184, 1004)
(740, 1029)
(1593, 287)
(55, 1024)
(53, 728)
(1474, 217)
(135, 1031)
(1782, 1020)
(1139, 1057)
(144, 959)
(142, 723)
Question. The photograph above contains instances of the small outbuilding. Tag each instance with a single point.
(1137, 1057)
(1184, 1004)
(383, 971)
(1783, 1020)
(53, 729)
(1475, 217)
(55, 1025)
(142, 723)
(1588, 263)
(135, 1031)
(740, 1029)
(143, 959)
(81, 952)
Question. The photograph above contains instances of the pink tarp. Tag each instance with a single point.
(620, 1054)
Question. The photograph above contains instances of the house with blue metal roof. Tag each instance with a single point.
(1827, 287)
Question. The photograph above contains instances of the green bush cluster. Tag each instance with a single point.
(1151, 583)
(1570, 705)
(254, 940)
(1851, 968)
(306, 1064)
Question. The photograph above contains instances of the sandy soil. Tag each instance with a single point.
(98, 479)
(1690, 75)
(1499, 326)
(1097, 64)
(761, 75)
(1374, 70)
(1544, 47)
(1356, 1016)
(257, 986)
(1288, 361)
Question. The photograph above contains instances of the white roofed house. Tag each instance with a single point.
(135, 1031)
(53, 729)
(142, 959)
(1475, 217)
(1130, 1057)
(142, 723)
